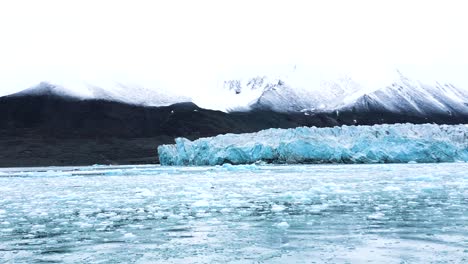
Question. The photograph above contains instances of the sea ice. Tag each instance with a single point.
(385, 213)
(399, 143)
(283, 225)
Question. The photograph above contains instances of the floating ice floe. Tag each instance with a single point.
(398, 143)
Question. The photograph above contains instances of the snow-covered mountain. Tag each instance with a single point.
(408, 96)
(137, 95)
(119, 93)
(48, 89)
(278, 95)
(402, 96)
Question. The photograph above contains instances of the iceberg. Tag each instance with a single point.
(397, 143)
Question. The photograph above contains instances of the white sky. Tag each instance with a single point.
(191, 46)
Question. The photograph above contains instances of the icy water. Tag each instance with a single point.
(400, 213)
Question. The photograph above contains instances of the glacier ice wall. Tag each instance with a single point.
(399, 143)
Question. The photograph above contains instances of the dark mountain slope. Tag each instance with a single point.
(64, 118)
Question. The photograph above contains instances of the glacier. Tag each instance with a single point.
(397, 143)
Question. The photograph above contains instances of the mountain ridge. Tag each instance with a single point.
(135, 95)
(401, 96)
(283, 95)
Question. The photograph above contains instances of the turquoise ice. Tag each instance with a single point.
(399, 143)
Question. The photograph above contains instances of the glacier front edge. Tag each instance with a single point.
(398, 143)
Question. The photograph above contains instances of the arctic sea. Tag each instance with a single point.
(382, 213)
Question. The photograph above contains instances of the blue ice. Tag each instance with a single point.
(398, 143)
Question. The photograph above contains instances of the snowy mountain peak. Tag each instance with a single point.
(255, 83)
(133, 94)
(46, 89)
(280, 95)
(138, 95)
(408, 96)
(403, 95)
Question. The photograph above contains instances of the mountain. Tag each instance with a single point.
(47, 89)
(134, 94)
(403, 96)
(282, 97)
(278, 95)
(415, 98)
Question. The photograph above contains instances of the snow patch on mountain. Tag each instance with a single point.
(138, 95)
(48, 89)
(130, 94)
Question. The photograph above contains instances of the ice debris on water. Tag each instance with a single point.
(129, 236)
(201, 203)
(398, 143)
(283, 225)
(277, 208)
(376, 216)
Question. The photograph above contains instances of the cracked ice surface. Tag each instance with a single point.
(399, 143)
(388, 213)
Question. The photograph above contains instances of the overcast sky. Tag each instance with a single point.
(190, 46)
